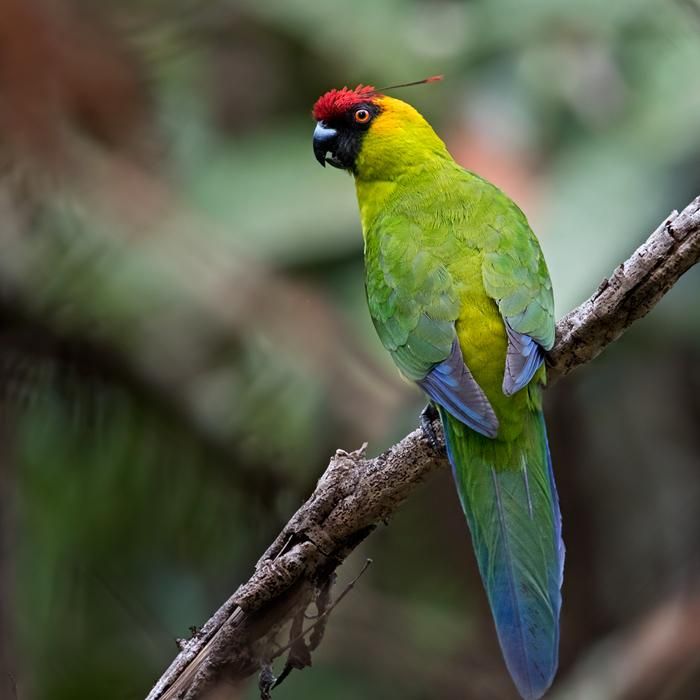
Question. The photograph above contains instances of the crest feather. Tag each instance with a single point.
(337, 102)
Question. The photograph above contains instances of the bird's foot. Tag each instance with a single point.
(427, 416)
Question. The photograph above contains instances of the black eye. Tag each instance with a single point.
(362, 116)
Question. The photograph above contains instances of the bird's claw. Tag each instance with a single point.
(427, 416)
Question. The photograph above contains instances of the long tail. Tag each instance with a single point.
(510, 500)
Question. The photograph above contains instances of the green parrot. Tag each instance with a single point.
(460, 296)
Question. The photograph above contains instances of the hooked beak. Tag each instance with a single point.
(325, 140)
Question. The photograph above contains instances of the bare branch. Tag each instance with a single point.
(630, 293)
(355, 494)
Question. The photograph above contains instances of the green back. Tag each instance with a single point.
(445, 239)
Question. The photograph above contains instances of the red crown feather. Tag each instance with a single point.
(337, 102)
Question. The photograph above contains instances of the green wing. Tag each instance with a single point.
(515, 275)
(412, 298)
(414, 305)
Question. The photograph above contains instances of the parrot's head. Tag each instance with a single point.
(371, 135)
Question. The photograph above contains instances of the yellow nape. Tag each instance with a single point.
(398, 142)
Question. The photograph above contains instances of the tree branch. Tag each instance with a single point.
(632, 290)
(355, 493)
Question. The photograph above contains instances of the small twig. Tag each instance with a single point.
(266, 682)
(325, 613)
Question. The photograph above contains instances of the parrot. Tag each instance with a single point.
(460, 295)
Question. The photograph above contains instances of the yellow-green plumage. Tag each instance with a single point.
(460, 296)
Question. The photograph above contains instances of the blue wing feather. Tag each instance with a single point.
(523, 358)
(451, 385)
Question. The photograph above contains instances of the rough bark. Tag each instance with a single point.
(355, 493)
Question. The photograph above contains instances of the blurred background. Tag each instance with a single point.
(184, 339)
